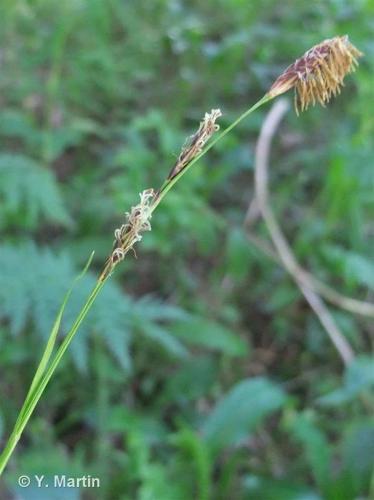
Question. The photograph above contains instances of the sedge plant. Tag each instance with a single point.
(316, 77)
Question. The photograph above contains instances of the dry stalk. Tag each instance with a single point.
(280, 243)
(306, 278)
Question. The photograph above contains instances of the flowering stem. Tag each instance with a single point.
(168, 184)
(38, 388)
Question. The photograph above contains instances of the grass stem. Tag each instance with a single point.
(44, 372)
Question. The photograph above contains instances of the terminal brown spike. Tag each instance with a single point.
(319, 73)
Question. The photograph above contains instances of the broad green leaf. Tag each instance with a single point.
(315, 446)
(356, 268)
(358, 453)
(238, 413)
(14, 123)
(210, 334)
(359, 375)
(168, 341)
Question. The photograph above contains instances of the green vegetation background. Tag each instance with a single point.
(200, 372)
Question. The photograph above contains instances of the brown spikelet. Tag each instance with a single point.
(138, 219)
(319, 73)
(196, 142)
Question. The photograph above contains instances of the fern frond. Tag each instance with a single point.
(29, 194)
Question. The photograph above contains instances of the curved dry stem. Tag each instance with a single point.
(353, 306)
(280, 243)
(307, 278)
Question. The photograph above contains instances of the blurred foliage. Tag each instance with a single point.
(200, 372)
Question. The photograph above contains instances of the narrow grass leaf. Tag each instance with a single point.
(52, 338)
